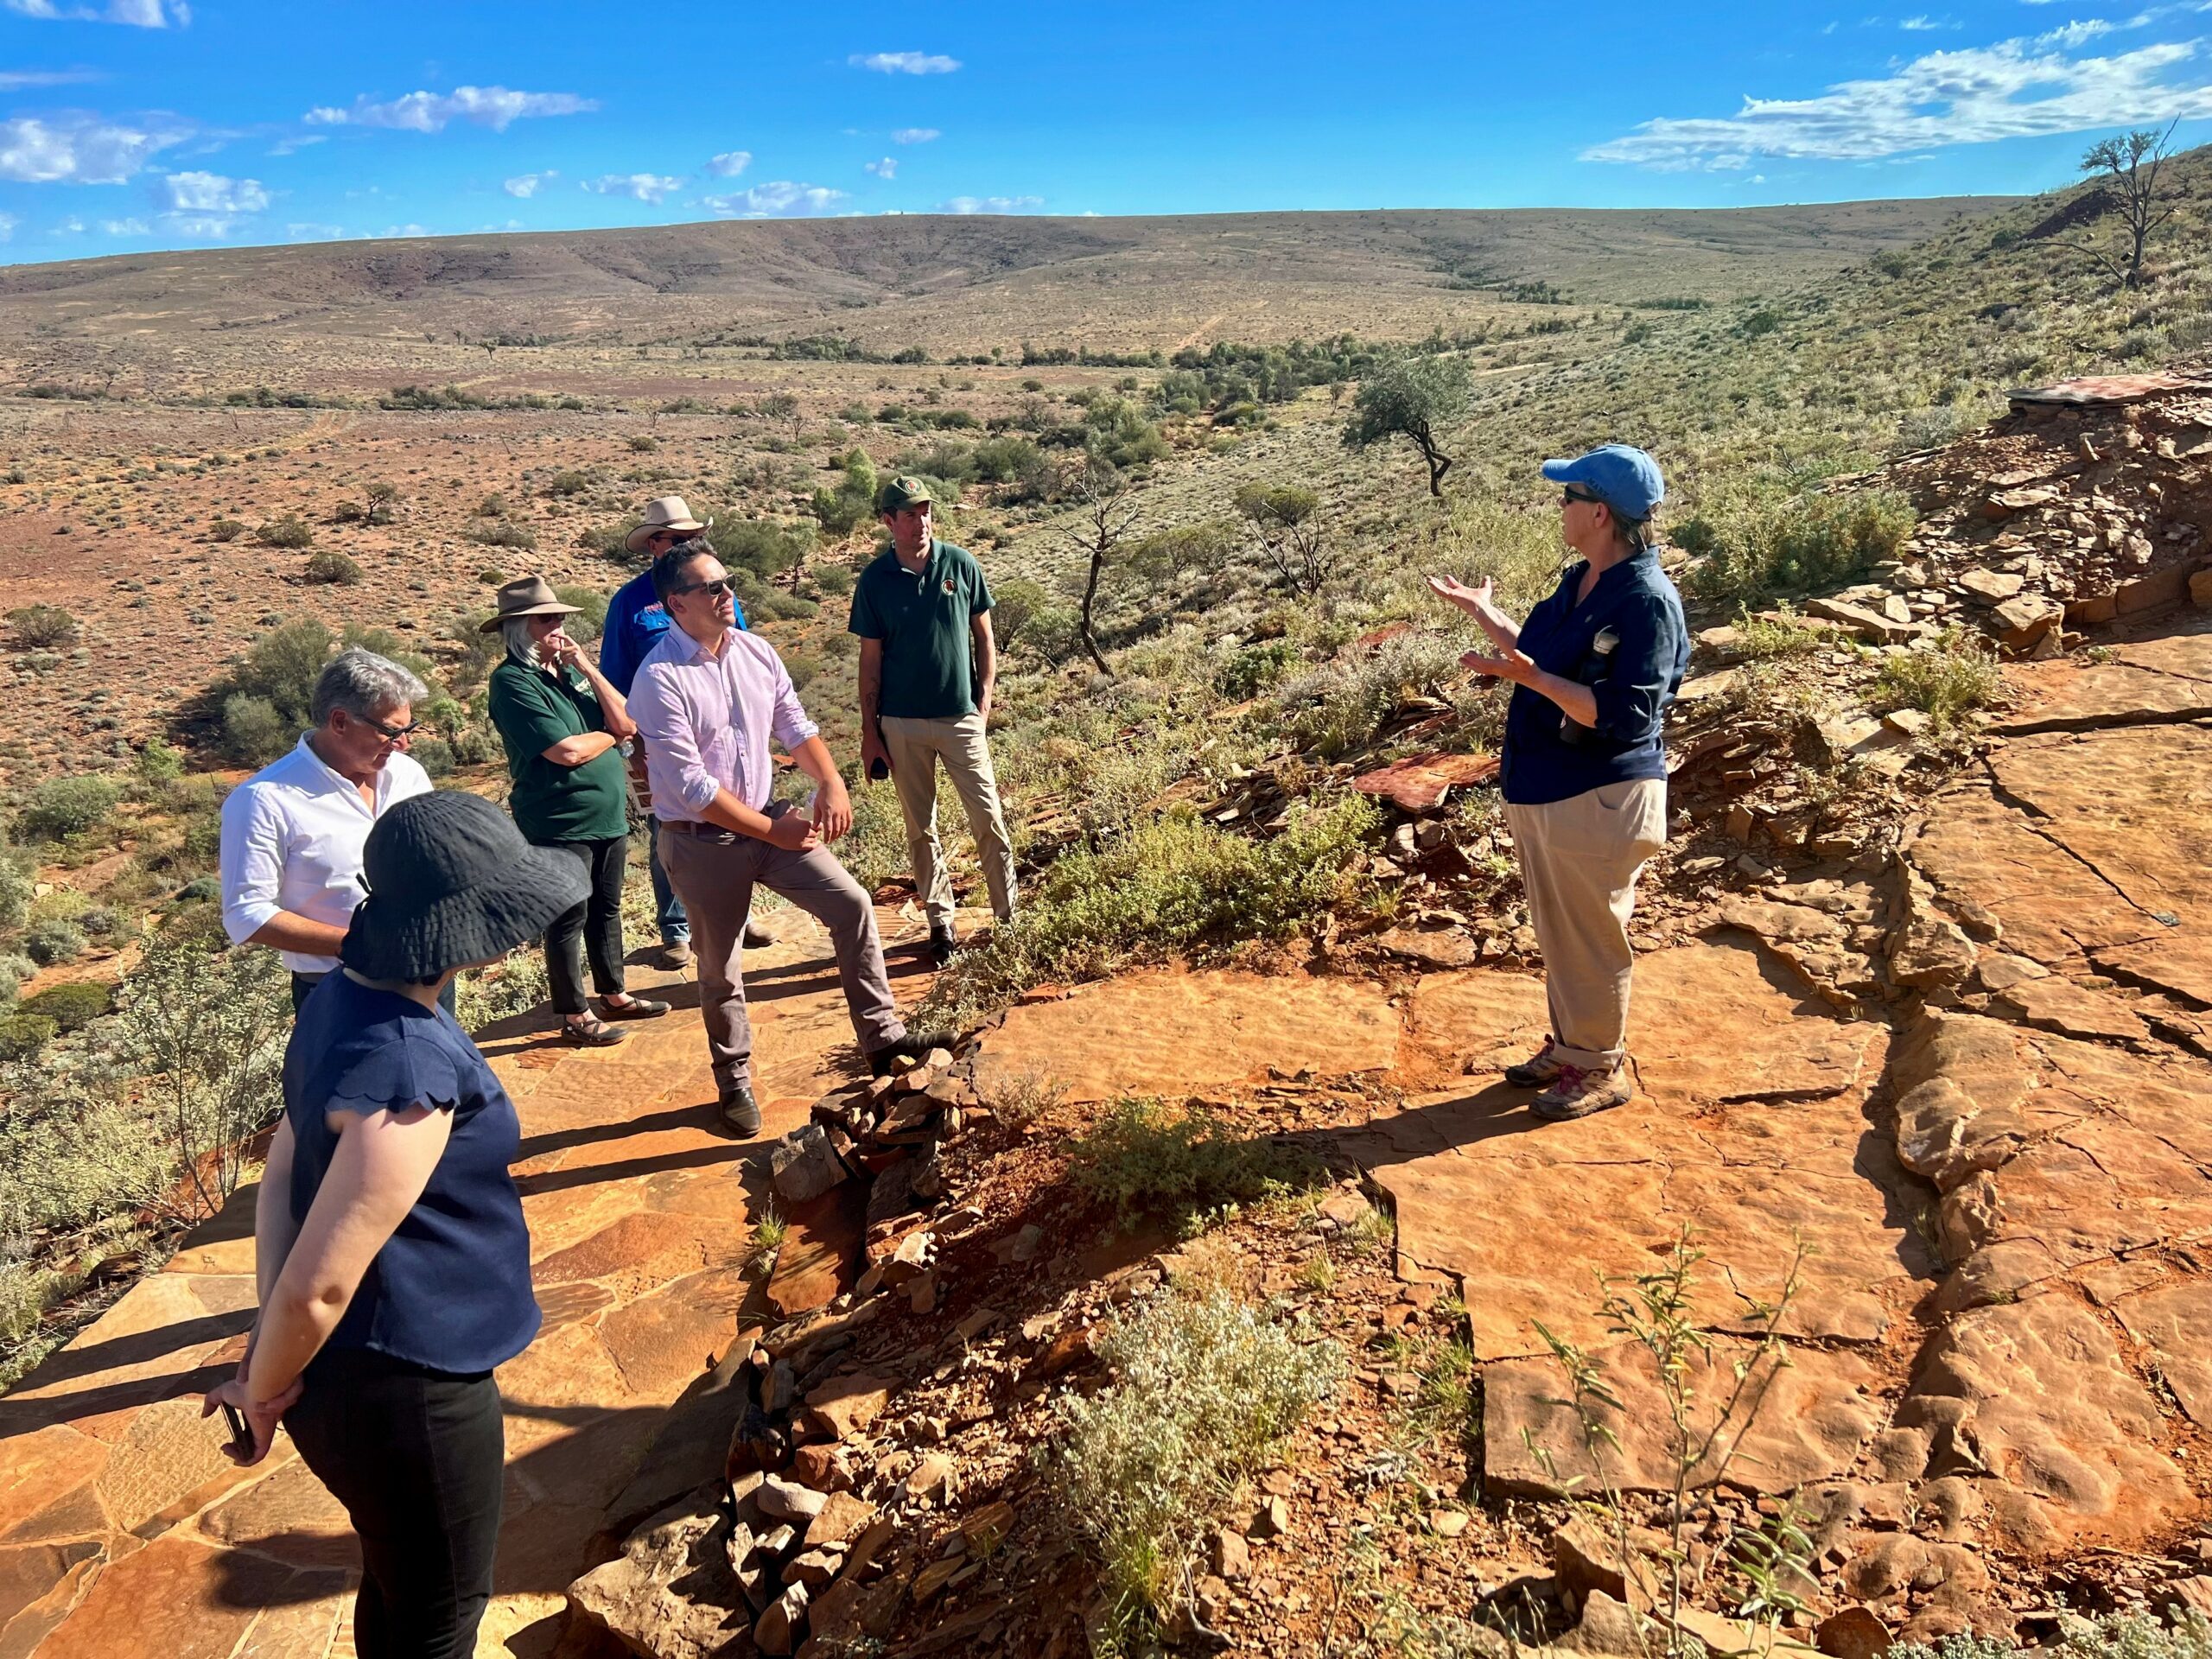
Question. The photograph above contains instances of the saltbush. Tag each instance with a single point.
(72, 1008)
(290, 530)
(51, 942)
(1143, 1156)
(331, 567)
(61, 807)
(1203, 1391)
(1750, 546)
(41, 627)
(2133, 1634)
(224, 530)
(1957, 674)
(22, 1035)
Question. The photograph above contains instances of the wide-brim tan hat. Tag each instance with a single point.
(669, 512)
(527, 596)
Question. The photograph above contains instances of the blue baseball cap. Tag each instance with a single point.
(1625, 480)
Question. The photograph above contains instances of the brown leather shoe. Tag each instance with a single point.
(674, 956)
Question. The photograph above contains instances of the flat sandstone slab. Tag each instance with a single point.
(1170, 1033)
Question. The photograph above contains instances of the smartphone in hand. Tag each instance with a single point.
(241, 1432)
(877, 770)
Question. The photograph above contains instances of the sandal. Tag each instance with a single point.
(632, 1008)
(591, 1031)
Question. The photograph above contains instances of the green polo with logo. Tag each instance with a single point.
(532, 711)
(922, 620)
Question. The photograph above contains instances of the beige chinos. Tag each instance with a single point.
(916, 746)
(1579, 860)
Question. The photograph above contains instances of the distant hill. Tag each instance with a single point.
(945, 283)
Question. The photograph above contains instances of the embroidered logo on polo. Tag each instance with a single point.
(948, 584)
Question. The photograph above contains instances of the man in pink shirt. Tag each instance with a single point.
(707, 700)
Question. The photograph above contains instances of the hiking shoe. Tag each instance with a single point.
(591, 1031)
(882, 1061)
(942, 942)
(741, 1112)
(674, 956)
(757, 935)
(632, 1008)
(1539, 1068)
(1577, 1093)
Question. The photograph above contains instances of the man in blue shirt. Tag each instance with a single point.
(635, 622)
(1584, 764)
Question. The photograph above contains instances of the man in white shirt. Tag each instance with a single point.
(293, 832)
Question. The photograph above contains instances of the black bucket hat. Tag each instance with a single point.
(452, 881)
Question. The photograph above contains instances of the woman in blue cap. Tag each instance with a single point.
(1584, 767)
(391, 1255)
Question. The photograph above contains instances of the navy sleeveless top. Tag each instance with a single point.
(450, 1289)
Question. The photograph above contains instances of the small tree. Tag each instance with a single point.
(1412, 398)
(2131, 165)
(1107, 517)
(1285, 520)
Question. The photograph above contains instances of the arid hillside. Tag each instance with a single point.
(295, 317)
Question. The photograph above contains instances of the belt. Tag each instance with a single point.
(693, 827)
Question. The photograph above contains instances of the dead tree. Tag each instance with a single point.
(1106, 517)
(2131, 165)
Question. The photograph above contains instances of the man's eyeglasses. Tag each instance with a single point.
(717, 589)
(392, 734)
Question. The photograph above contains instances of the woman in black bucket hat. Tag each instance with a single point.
(392, 1259)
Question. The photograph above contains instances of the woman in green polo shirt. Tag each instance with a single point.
(565, 730)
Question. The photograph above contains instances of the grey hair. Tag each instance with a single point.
(520, 646)
(364, 685)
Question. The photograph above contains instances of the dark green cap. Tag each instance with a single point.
(901, 492)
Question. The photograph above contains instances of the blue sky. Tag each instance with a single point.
(131, 124)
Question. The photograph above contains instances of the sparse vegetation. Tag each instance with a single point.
(291, 531)
(1945, 682)
(1752, 545)
(41, 627)
(62, 807)
(1145, 1157)
(331, 568)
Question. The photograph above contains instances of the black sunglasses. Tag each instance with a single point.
(392, 734)
(1570, 494)
(718, 587)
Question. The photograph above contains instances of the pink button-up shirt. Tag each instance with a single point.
(706, 721)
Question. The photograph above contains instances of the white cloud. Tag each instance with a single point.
(297, 142)
(210, 192)
(71, 227)
(78, 149)
(207, 227)
(778, 199)
(495, 107)
(139, 14)
(2072, 34)
(525, 185)
(905, 63)
(642, 187)
(1921, 25)
(991, 204)
(915, 135)
(730, 164)
(125, 226)
(404, 230)
(15, 79)
(1967, 96)
(314, 233)
(886, 168)
(8, 223)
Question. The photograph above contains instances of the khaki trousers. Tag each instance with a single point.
(715, 873)
(916, 746)
(1580, 859)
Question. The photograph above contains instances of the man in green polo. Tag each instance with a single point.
(928, 666)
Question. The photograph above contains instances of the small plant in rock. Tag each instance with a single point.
(1955, 675)
(1145, 1155)
(768, 1234)
(1203, 1390)
(331, 568)
(1020, 1100)
(1656, 1313)
(291, 531)
(1781, 633)
(41, 627)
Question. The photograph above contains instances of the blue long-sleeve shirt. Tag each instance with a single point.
(635, 622)
(1628, 645)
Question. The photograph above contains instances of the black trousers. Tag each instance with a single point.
(302, 983)
(593, 927)
(417, 1458)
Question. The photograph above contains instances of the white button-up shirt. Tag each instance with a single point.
(706, 719)
(292, 840)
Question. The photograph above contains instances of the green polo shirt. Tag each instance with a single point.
(533, 711)
(922, 620)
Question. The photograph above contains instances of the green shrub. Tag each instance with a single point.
(591, 612)
(41, 627)
(2133, 1634)
(644, 445)
(22, 1035)
(1176, 884)
(15, 889)
(1144, 1156)
(14, 970)
(568, 483)
(1784, 633)
(501, 532)
(224, 530)
(290, 530)
(254, 733)
(1958, 673)
(1203, 1391)
(71, 1008)
(158, 764)
(266, 696)
(61, 807)
(1753, 546)
(1339, 705)
(331, 567)
(514, 984)
(1252, 668)
(51, 942)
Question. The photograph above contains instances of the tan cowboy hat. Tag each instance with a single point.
(527, 596)
(667, 513)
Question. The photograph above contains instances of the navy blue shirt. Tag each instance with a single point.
(635, 621)
(450, 1289)
(1627, 644)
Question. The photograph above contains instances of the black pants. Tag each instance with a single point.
(417, 1458)
(302, 983)
(594, 926)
